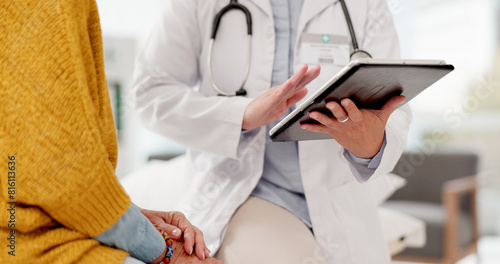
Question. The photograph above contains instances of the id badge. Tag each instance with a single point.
(325, 49)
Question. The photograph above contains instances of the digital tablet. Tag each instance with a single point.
(369, 83)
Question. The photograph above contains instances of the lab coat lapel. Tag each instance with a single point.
(312, 8)
(264, 5)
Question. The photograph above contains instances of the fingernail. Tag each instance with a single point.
(176, 232)
(313, 115)
(345, 103)
(203, 255)
(191, 253)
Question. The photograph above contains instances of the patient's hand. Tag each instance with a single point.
(180, 256)
(179, 229)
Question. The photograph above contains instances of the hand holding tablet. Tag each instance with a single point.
(369, 84)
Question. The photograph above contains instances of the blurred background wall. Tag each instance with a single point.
(459, 113)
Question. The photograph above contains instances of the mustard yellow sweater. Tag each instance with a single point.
(57, 139)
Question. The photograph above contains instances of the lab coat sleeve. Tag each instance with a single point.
(381, 41)
(167, 72)
(363, 169)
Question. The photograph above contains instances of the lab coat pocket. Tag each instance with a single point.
(352, 203)
(337, 242)
(343, 201)
(356, 218)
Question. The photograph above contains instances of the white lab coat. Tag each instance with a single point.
(175, 99)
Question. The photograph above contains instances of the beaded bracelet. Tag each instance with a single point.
(170, 249)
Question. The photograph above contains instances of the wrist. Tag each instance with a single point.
(169, 248)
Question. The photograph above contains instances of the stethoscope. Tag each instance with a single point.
(233, 4)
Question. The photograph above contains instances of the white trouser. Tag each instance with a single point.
(262, 232)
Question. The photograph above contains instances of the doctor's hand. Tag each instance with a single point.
(271, 105)
(179, 229)
(360, 131)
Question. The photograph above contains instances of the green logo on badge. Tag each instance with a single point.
(325, 38)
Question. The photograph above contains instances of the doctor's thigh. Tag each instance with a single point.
(262, 232)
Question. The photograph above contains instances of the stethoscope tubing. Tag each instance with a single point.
(241, 91)
(231, 6)
(354, 39)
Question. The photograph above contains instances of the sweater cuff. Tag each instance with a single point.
(135, 234)
(96, 207)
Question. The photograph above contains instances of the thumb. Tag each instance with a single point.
(393, 104)
(172, 231)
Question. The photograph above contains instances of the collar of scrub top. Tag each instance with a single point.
(233, 4)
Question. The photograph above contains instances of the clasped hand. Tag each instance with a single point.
(360, 131)
(187, 238)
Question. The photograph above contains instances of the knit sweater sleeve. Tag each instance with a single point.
(56, 115)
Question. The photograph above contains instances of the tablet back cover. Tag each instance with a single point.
(369, 86)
